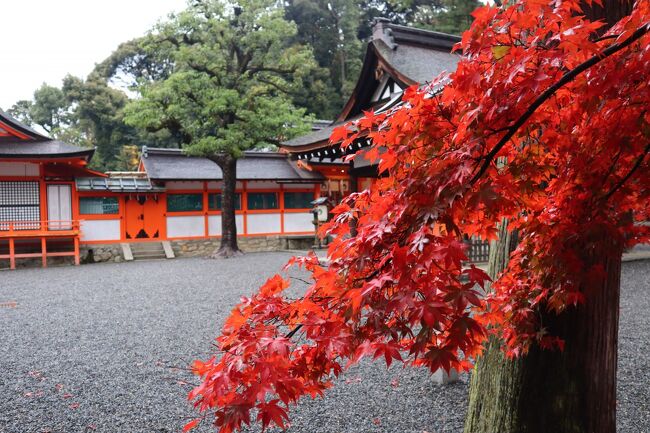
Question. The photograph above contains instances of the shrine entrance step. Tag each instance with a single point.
(149, 251)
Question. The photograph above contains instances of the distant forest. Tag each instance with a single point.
(139, 95)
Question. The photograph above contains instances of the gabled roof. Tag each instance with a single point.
(407, 55)
(173, 164)
(18, 141)
(415, 56)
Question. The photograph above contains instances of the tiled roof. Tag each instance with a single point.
(417, 54)
(173, 164)
(45, 148)
(414, 56)
(28, 143)
(116, 184)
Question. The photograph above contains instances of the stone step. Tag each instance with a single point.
(138, 252)
(126, 252)
(148, 251)
(146, 245)
(169, 252)
(149, 256)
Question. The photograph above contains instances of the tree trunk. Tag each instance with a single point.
(610, 12)
(494, 393)
(228, 247)
(570, 391)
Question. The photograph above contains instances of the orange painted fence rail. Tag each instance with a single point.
(41, 230)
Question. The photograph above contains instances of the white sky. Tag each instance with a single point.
(43, 40)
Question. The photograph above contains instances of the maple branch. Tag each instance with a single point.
(566, 78)
(634, 168)
(294, 331)
(300, 279)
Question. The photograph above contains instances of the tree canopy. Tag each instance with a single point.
(86, 113)
(522, 130)
(233, 77)
(236, 69)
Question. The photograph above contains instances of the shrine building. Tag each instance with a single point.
(52, 205)
(396, 58)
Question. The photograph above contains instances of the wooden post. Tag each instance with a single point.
(44, 251)
(281, 205)
(206, 210)
(244, 206)
(76, 250)
(12, 258)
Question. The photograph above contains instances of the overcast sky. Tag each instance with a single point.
(46, 39)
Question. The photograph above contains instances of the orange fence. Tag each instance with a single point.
(42, 231)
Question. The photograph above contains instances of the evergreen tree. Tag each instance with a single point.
(231, 87)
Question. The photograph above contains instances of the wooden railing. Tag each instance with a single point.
(42, 231)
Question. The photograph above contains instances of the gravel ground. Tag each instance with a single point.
(103, 348)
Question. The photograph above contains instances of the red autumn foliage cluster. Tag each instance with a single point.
(544, 122)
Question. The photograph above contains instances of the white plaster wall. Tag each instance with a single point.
(185, 226)
(258, 184)
(214, 224)
(299, 186)
(176, 185)
(219, 185)
(263, 223)
(298, 222)
(100, 230)
(18, 169)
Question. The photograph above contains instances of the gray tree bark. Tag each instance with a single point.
(228, 247)
(570, 391)
(573, 391)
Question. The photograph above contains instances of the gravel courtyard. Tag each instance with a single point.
(104, 347)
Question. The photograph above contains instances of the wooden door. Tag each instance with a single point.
(59, 207)
(154, 220)
(143, 216)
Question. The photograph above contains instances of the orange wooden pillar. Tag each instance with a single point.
(44, 252)
(76, 250)
(12, 252)
(206, 209)
(244, 205)
(281, 204)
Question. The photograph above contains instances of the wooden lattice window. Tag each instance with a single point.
(19, 201)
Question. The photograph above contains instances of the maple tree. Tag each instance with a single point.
(545, 122)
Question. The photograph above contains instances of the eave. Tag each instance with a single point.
(85, 155)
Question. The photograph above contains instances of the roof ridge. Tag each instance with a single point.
(428, 32)
(146, 150)
(395, 34)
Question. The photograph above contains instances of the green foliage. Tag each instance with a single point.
(447, 16)
(331, 28)
(338, 29)
(134, 62)
(98, 109)
(86, 113)
(49, 109)
(233, 80)
(21, 110)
